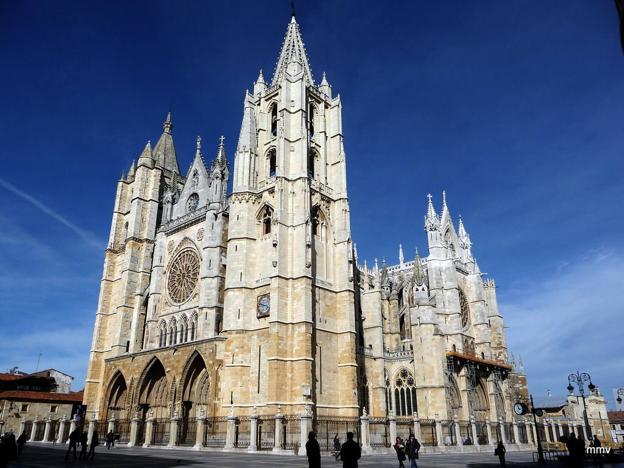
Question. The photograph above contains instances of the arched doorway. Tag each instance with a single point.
(116, 403)
(154, 391)
(195, 397)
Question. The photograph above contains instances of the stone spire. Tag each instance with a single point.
(247, 135)
(445, 216)
(260, 85)
(164, 151)
(132, 170)
(432, 222)
(464, 238)
(220, 159)
(146, 157)
(401, 256)
(325, 87)
(293, 51)
(419, 274)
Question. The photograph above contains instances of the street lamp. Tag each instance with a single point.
(620, 394)
(579, 379)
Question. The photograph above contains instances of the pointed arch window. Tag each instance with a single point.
(193, 326)
(173, 332)
(464, 309)
(162, 337)
(403, 394)
(266, 218)
(312, 162)
(273, 114)
(272, 162)
(311, 117)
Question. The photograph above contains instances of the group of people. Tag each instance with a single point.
(407, 450)
(576, 446)
(82, 437)
(349, 452)
(10, 447)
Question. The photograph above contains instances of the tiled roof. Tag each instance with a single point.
(615, 415)
(26, 395)
(7, 377)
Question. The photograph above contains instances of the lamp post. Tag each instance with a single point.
(540, 451)
(578, 379)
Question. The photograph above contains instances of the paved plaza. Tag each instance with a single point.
(36, 455)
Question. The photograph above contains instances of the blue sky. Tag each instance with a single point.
(515, 108)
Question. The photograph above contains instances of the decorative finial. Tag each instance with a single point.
(198, 144)
(168, 124)
(221, 140)
(401, 256)
(444, 199)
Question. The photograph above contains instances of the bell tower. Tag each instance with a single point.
(289, 307)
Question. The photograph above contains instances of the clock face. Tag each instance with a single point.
(264, 305)
(519, 408)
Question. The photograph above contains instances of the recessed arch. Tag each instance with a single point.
(117, 396)
(153, 396)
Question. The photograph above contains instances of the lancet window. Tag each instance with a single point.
(401, 394)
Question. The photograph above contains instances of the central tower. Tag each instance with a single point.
(289, 305)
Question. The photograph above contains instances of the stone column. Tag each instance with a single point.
(46, 432)
(33, 430)
(488, 428)
(535, 433)
(560, 424)
(392, 427)
(438, 427)
(149, 431)
(545, 423)
(22, 427)
(253, 432)
(230, 437)
(502, 430)
(585, 432)
(134, 429)
(91, 430)
(173, 430)
(554, 430)
(365, 432)
(200, 431)
(61, 429)
(416, 420)
(2, 427)
(516, 432)
(111, 425)
(529, 432)
(473, 428)
(456, 431)
(305, 426)
(279, 427)
(72, 427)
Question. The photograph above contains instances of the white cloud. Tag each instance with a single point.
(64, 348)
(569, 321)
(86, 236)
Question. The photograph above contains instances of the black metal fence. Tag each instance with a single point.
(290, 432)
(328, 428)
(481, 437)
(39, 431)
(160, 431)
(428, 432)
(242, 432)
(266, 433)
(122, 431)
(215, 432)
(187, 431)
(379, 432)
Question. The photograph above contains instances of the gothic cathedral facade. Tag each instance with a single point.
(255, 301)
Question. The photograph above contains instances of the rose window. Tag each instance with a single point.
(183, 276)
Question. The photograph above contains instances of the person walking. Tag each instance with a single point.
(110, 440)
(500, 451)
(21, 441)
(84, 442)
(336, 447)
(399, 447)
(412, 447)
(313, 451)
(74, 438)
(95, 441)
(350, 452)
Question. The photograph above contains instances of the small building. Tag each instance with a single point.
(33, 403)
(616, 421)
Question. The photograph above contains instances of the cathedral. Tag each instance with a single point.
(251, 306)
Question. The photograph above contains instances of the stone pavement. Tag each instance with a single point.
(39, 455)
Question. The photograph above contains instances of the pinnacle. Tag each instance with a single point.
(293, 50)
